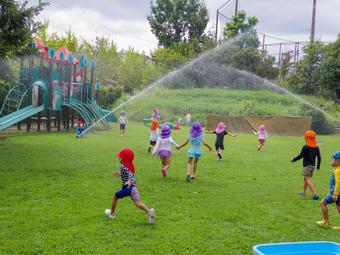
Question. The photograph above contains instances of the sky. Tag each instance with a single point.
(125, 22)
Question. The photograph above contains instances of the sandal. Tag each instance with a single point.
(323, 223)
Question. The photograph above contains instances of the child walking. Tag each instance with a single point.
(129, 186)
(334, 192)
(154, 133)
(163, 148)
(195, 152)
(262, 136)
(188, 118)
(309, 152)
(122, 122)
(220, 132)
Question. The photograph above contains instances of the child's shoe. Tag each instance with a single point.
(315, 197)
(302, 193)
(323, 223)
(219, 156)
(187, 179)
(109, 214)
(149, 149)
(152, 216)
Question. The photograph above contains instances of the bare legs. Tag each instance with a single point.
(189, 164)
(142, 206)
(139, 204)
(165, 165)
(307, 182)
(219, 154)
(324, 209)
(260, 146)
(114, 204)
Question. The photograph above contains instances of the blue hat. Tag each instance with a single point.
(336, 155)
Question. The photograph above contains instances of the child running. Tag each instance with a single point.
(154, 133)
(220, 132)
(129, 187)
(334, 192)
(122, 122)
(262, 136)
(309, 152)
(163, 148)
(195, 152)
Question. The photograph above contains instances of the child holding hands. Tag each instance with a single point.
(195, 152)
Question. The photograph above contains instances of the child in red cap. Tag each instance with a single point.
(129, 187)
(309, 152)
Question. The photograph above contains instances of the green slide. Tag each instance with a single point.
(15, 117)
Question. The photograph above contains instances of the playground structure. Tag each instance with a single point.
(55, 90)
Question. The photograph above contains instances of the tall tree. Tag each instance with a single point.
(17, 24)
(175, 21)
(68, 40)
(242, 27)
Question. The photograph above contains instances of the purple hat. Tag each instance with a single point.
(196, 130)
(165, 131)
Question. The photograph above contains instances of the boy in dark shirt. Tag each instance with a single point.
(309, 152)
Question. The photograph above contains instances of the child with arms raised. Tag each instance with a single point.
(195, 152)
(220, 132)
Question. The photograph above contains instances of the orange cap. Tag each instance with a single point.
(310, 137)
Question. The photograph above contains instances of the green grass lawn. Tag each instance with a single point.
(54, 189)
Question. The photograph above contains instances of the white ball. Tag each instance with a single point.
(107, 211)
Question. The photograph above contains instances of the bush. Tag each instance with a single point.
(319, 122)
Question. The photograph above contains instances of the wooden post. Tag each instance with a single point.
(279, 65)
(50, 92)
(263, 41)
(21, 79)
(92, 79)
(41, 70)
(69, 81)
(216, 31)
(30, 80)
(236, 7)
(60, 84)
(312, 31)
(85, 86)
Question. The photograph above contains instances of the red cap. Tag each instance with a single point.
(127, 156)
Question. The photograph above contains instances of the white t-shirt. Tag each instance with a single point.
(154, 135)
(262, 136)
(122, 120)
(164, 144)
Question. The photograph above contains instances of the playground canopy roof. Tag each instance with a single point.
(44, 50)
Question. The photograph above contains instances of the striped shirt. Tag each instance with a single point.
(125, 175)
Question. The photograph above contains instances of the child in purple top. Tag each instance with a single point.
(163, 148)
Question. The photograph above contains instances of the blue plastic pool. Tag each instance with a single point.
(300, 248)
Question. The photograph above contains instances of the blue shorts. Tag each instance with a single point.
(128, 192)
(329, 199)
